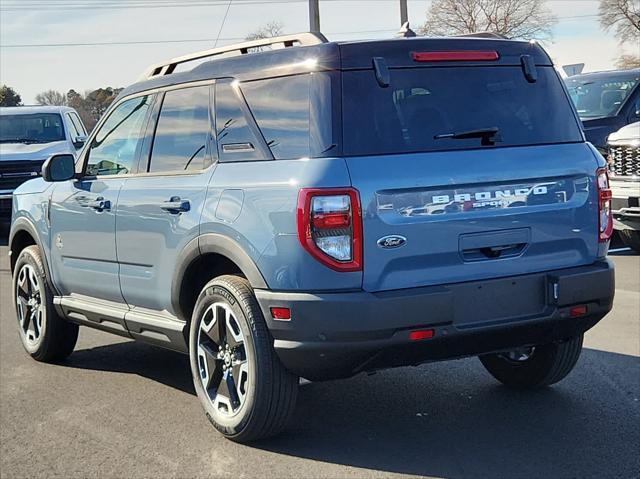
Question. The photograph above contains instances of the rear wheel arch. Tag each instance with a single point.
(205, 258)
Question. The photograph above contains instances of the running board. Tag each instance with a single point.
(156, 328)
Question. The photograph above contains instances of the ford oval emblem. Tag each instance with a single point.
(392, 241)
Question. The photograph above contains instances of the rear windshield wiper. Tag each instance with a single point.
(488, 136)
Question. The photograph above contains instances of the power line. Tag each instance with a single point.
(224, 19)
(149, 42)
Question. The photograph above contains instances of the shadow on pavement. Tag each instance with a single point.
(445, 419)
(160, 365)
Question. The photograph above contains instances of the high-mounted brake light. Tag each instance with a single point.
(605, 215)
(330, 226)
(455, 56)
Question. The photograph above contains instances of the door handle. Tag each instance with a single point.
(98, 204)
(176, 205)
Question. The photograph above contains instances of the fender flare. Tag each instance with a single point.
(24, 224)
(218, 244)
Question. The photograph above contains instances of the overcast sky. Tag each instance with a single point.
(30, 70)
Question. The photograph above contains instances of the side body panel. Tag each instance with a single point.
(83, 243)
(150, 238)
(264, 225)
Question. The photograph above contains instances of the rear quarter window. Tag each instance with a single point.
(423, 103)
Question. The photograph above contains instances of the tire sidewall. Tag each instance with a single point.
(215, 292)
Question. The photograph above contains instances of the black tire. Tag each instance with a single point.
(631, 238)
(54, 338)
(265, 391)
(547, 364)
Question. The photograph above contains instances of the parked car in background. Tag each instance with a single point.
(623, 157)
(606, 101)
(28, 136)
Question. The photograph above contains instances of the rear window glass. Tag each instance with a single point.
(423, 103)
(600, 97)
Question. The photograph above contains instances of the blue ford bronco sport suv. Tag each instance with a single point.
(294, 207)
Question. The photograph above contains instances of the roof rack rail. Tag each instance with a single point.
(298, 39)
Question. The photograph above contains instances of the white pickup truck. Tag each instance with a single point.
(28, 136)
(624, 170)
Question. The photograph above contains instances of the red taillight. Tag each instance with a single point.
(577, 311)
(281, 314)
(455, 56)
(421, 334)
(332, 220)
(330, 226)
(605, 216)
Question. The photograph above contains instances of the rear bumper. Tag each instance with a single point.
(332, 335)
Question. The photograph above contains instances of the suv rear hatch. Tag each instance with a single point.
(467, 169)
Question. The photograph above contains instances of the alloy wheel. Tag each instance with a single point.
(29, 305)
(223, 366)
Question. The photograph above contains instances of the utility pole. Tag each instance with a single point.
(404, 16)
(314, 16)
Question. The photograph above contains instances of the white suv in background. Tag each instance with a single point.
(28, 136)
(624, 171)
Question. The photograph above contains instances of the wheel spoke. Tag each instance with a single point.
(228, 389)
(23, 283)
(234, 335)
(240, 372)
(23, 312)
(216, 329)
(33, 281)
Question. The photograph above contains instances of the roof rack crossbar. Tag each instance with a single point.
(298, 39)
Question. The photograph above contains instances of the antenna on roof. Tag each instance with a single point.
(405, 31)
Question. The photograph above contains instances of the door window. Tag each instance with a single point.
(184, 125)
(113, 150)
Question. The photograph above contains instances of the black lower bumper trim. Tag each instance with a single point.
(337, 335)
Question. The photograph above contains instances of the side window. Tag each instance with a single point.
(113, 149)
(180, 142)
(281, 109)
(77, 123)
(236, 139)
(73, 127)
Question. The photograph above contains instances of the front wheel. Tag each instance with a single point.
(46, 336)
(536, 366)
(246, 392)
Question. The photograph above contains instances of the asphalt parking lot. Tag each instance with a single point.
(120, 409)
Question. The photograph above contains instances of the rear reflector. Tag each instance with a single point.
(456, 56)
(281, 314)
(577, 311)
(421, 334)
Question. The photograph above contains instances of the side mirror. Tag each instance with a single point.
(79, 141)
(59, 168)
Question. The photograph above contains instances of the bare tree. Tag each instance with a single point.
(526, 19)
(627, 62)
(269, 30)
(623, 16)
(51, 97)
